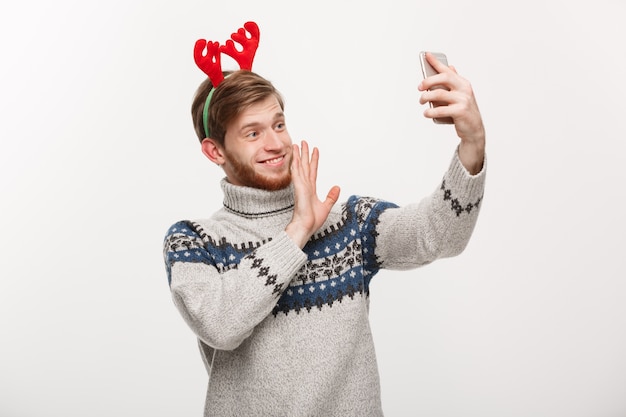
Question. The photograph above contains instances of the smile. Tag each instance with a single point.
(274, 161)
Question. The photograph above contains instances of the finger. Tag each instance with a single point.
(315, 157)
(295, 160)
(436, 64)
(305, 158)
(437, 95)
(439, 112)
(435, 82)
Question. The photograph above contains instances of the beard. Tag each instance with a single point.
(248, 176)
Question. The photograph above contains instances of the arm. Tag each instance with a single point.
(437, 227)
(223, 303)
(442, 223)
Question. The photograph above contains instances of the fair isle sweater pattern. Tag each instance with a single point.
(342, 255)
(341, 258)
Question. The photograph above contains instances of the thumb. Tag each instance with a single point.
(332, 196)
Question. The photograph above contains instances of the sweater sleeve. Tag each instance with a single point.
(439, 226)
(222, 305)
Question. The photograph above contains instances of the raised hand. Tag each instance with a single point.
(460, 104)
(310, 212)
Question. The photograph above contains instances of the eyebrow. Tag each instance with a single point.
(279, 115)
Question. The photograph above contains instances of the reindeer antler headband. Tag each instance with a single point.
(211, 62)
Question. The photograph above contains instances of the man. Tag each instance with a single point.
(275, 284)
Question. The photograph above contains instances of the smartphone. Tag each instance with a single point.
(427, 71)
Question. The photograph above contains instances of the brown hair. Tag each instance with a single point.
(237, 92)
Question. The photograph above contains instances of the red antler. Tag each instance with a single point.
(211, 62)
(250, 45)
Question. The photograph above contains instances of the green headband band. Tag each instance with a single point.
(205, 113)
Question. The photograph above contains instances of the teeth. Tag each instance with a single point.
(273, 161)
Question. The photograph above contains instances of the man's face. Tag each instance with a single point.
(257, 148)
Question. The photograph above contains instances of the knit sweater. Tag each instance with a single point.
(284, 331)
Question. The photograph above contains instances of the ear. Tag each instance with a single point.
(212, 150)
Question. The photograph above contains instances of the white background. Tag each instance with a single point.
(98, 157)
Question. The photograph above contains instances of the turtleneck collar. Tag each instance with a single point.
(254, 202)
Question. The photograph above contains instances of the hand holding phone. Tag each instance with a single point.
(427, 71)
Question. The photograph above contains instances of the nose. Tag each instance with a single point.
(272, 140)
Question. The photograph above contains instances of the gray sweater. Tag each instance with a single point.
(284, 331)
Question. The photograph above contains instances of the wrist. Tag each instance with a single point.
(472, 156)
(297, 234)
